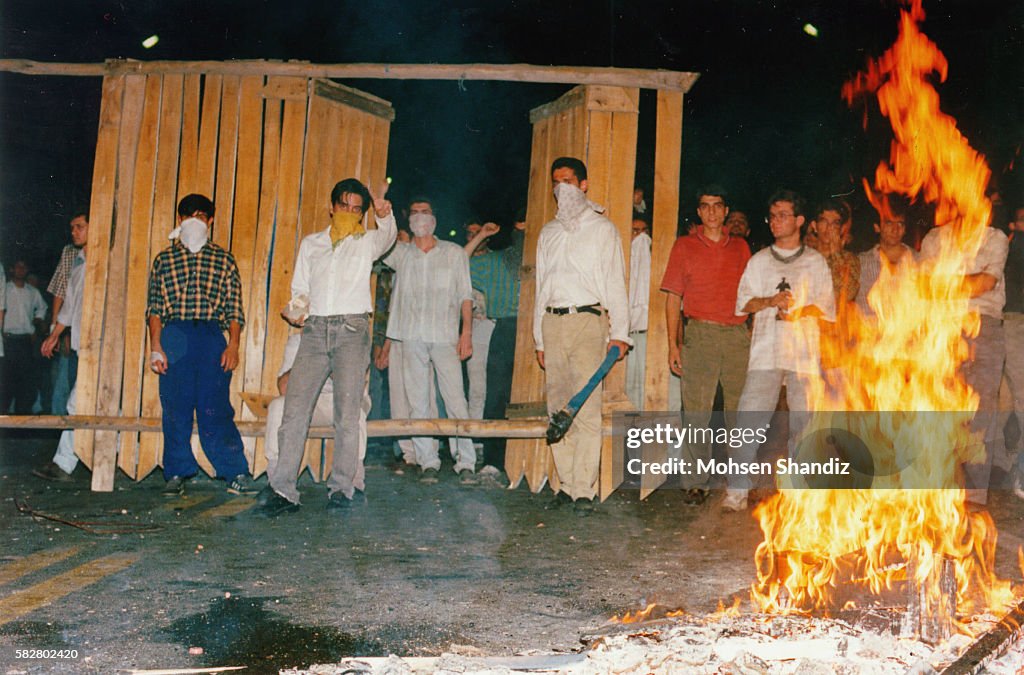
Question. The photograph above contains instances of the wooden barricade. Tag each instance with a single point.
(267, 150)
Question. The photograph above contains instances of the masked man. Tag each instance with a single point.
(581, 300)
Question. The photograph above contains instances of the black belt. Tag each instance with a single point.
(562, 311)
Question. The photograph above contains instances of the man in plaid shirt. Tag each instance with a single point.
(194, 295)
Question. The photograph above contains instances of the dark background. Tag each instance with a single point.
(765, 113)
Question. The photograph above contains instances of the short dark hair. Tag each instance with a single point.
(578, 167)
(712, 190)
(794, 198)
(80, 212)
(353, 187)
(189, 204)
(421, 199)
(833, 204)
(520, 214)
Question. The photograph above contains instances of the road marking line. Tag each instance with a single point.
(186, 502)
(33, 562)
(231, 508)
(20, 603)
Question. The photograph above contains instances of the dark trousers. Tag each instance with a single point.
(196, 384)
(21, 380)
(501, 357)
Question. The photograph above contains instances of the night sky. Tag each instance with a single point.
(765, 113)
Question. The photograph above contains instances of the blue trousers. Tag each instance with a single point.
(196, 384)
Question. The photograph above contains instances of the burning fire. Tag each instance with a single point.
(905, 359)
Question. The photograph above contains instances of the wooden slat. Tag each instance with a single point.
(164, 220)
(101, 210)
(206, 162)
(189, 137)
(311, 211)
(326, 177)
(312, 457)
(108, 400)
(513, 72)
(245, 219)
(138, 269)
(227, 149)
(379, 155)
(667, 153)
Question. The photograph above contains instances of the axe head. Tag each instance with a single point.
(558, 425)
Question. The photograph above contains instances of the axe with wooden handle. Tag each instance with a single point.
(559, 422)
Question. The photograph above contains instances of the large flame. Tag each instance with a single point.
(907, 358)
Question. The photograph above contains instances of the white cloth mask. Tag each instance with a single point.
(193, 233)
(572, 204)
(422, 224)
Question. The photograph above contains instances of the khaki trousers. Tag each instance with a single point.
(574, 346)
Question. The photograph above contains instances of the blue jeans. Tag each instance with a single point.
(337, 347)
(196, 384)
(63, 373)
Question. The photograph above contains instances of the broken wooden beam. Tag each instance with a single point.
(990, 645)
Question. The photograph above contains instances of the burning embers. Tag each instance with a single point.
(906, 358)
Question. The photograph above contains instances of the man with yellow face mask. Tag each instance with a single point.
(331, 302)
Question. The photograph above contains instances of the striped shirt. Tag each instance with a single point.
(496, 275)
(204, 286)
(59, 282)
(429, 291)
(871, 270)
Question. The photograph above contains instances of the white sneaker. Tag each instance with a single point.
(1018, 485)
(735, 500)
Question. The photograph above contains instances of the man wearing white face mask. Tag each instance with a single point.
(432, 295)
(195, 294)
(581, 311)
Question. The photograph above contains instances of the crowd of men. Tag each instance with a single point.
(741, 321)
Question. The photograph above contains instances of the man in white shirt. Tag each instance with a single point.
(26, 312)
(639, 297)
(890, 251)
(788, 289)
(70, 315)
(986, 284)
(332, 277)
(432, 296)
(581, 311)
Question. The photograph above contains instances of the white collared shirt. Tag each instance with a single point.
(337, 278)
(426, 303)
(71, 311)
(786, 345)
(23, 306)
(639, 281)
(582, 268)
(991, 260)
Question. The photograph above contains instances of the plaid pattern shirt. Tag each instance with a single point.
(203, 287)
(58, 287)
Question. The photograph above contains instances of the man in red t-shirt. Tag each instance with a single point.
(702, 277)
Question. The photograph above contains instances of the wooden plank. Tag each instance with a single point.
(206, 162)
(667, 153)
(101, 210)
(143, 189)
(245, 220)
(108, 401)
(353, 98)
(573, 98)
(345, 159)
(326, 178)
(526, 371)
(286, 88)
(164, 220)
(227, 149)
(513, 72)
(189, 156)
(312, 458)
(310, 210)
(613, 99)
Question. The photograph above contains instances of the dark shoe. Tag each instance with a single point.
(467, 477)
(175, 487)
(242, 485)
(50, 471)
(264, 495)
(695, 496)
(276, 505)
(428, 476)
(561, 499)
(339, 502)
(583, 507)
